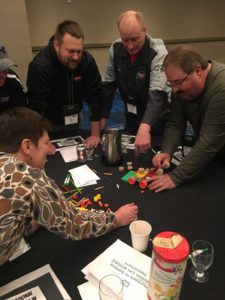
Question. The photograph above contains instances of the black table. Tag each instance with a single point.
(195, 210)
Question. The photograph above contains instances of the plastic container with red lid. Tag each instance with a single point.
(168, 267)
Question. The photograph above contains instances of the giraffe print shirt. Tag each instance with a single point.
(27, 193)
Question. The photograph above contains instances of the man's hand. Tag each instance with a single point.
(161, 183)
(143, 138)
(126, 214)
(160, 160)
(92, 141)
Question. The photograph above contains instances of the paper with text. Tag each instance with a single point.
(32, 294)
(45, 270)
(131, 266)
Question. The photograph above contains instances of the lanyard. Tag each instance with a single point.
(69, 78)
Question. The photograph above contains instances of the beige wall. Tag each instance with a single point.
(166, 19)
(14, 34)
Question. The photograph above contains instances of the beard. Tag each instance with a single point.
(69, 63)
(186, 96)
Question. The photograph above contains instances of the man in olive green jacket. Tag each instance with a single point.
(198, 96)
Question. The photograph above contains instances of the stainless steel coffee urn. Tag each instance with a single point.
(112, 147)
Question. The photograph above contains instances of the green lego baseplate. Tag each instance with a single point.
(128, 175)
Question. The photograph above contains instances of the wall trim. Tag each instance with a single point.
(167, 42)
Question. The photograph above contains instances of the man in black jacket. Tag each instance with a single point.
(134, 67)
(11, 90)
(60, 77)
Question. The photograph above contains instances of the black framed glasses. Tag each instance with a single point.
(178, 82)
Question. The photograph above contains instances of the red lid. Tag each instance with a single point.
(175, 255)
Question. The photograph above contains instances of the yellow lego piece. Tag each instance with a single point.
(97, 197)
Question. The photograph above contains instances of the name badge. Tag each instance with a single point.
(70, 114)
(132, 108)
(72, 119)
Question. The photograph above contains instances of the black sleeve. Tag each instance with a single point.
(38, 85)
(156, 107)
(18, 97)
(92, 89)
(108, 94)
(21, 99)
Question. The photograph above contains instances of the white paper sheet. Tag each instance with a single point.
(131, 266)
(83, 176)
(34, 293)
(88, 291)
(31, 276)
(22, 248)
(69, 141)
(68, 153)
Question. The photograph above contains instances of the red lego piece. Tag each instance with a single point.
(143, 184)
(132, 180)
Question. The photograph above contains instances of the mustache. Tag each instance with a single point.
(75, 60)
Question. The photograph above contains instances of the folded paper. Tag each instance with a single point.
(83, 176)
(124, 261)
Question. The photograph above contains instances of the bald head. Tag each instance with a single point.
(132, 31)
(131, 16)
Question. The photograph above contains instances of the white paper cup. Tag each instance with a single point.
(140, 232)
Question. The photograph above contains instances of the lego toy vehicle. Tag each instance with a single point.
(142, 176)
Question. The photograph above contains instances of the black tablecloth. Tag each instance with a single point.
(195, 210)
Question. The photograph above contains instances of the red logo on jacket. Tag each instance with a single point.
(77, 78)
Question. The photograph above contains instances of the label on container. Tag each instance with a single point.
(171, 243)
(165, 279)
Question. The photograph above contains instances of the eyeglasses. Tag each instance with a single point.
(178, 82)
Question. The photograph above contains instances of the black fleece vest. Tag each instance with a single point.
(133, 79)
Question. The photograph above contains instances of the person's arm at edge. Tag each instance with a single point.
(38, 87)
(101, 222)
(108, 88)
(157, 97)
(19, 96)
(158, 90)
(93, 97)
(94, 139)
(211, 140)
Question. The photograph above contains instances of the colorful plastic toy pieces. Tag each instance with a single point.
(98, 199)
(142, 176)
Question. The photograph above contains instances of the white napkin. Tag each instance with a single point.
(83, 176)
(68, 153)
